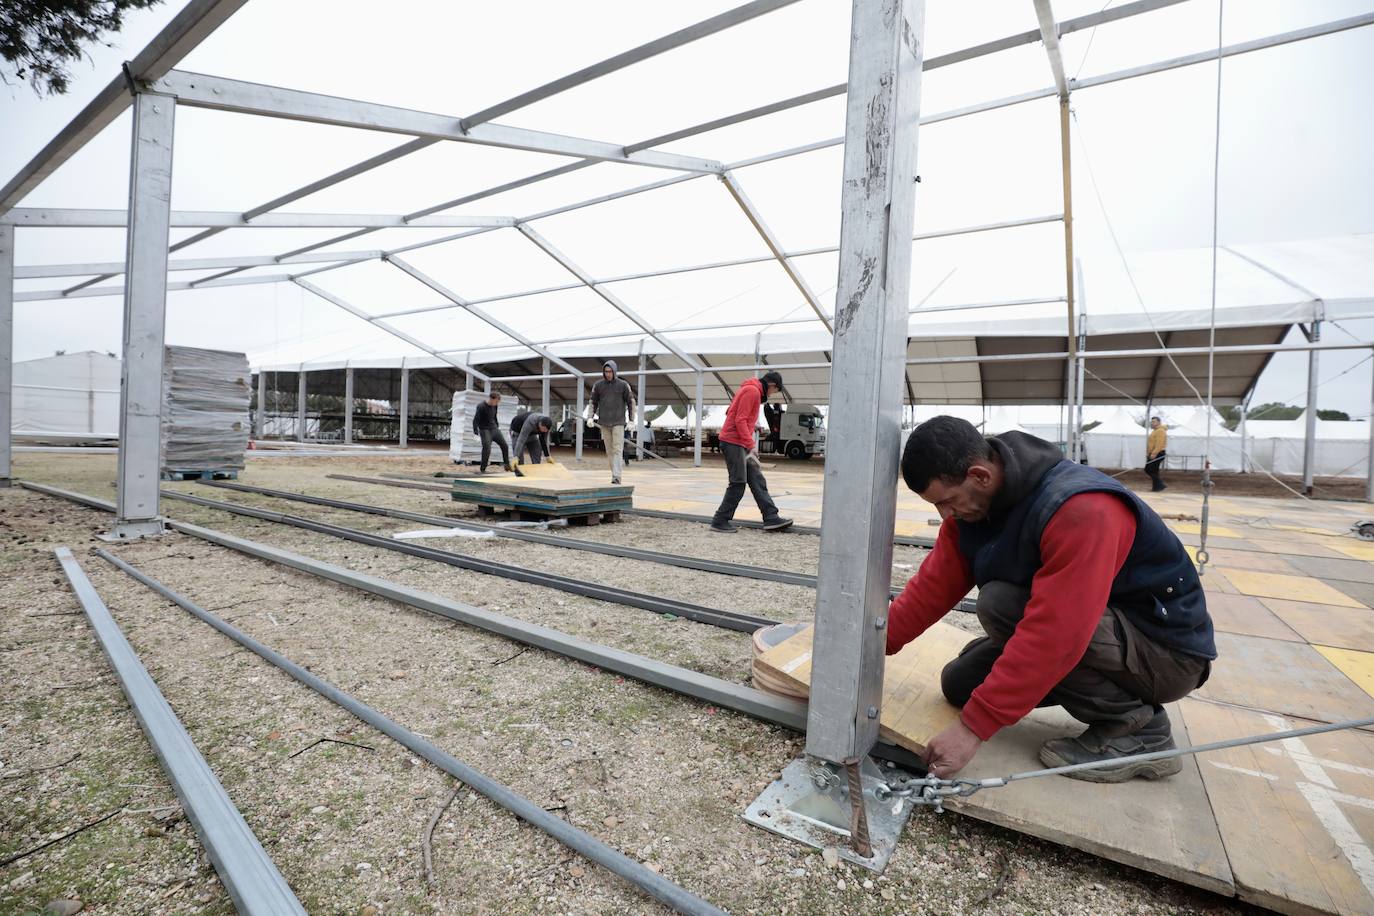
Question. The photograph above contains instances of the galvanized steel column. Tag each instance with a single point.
(300, 404)
(145, 312)
(260, 427)
(348, 406)
(871, 326)
(6, 348)
(544, 390)
(581, 409)
(405, 405)
(1369, 470)
(639, 411)
(696, 445)
(1309, 442)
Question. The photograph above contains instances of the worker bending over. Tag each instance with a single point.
(533, 437)
(1088, 600)
(613, 405)
(742, 456)
(486, 428)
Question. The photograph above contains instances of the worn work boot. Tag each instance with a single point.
(724, 527)
(1156, 735)
(777, 524)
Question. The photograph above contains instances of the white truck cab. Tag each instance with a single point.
(801, 433)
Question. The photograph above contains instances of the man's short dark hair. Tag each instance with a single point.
(771, 378)
(546, 423)
(942, 448)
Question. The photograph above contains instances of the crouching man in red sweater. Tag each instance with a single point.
(1088, 600)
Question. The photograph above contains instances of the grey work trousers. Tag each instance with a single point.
(743, 473)
(1120, 683)
(490, 435)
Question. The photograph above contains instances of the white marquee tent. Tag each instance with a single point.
(68, 398)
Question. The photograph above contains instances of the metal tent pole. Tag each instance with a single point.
(701, 408)
(639, 408)
(348, 406)
(859, 503)
(405, 405)
(145, 313)
(544, 388)
(6, 348)
(260, 427)
(1369, 484)
(300, 404)
(1309, 442)
(579, 425)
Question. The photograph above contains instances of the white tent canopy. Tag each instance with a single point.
(72, 397)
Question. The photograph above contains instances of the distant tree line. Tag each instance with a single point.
(1274, 410)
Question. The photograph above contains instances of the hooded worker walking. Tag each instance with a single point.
(612, 406)
(1088, 600)
(742, 456)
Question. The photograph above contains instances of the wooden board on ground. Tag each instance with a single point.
(1295, 816)
(1343, 627)
(552, 498)
(1164, 826)
(914, 709)
(1247, 616)
(1290, 678)
(1291, 588)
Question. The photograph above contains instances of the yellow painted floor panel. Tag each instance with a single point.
(1290, 588)
(1358, 666)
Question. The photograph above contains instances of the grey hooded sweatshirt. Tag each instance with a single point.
(612, 401)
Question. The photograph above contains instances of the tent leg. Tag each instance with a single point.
(1369, 471)
(348, 406)
(639, 412)
(1309, 442)
(581, 410)
(696, 443)
(260, 421)
(145, 313)
(6, 347)
(405, 408)
(300, 404)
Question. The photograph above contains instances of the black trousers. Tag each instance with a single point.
(1153, 467)
(490, 435)
(1120, 683)
(743, 473)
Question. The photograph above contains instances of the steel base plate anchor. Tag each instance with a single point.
(810, 804)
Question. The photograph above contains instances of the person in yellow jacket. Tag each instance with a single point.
(1155, 447)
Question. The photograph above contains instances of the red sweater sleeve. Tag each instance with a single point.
(743, 415)
(1081, 551)
(943, 579)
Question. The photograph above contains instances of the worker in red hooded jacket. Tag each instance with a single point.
(742, 456)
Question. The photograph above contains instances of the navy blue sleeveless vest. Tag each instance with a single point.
(1157, 588)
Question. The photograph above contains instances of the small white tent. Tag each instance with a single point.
(1342, 446)
(1188, 442)
(70, 397)
(1119, 442)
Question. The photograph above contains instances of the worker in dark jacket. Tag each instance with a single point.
(1088, 600)
(612, 406)
(486, 428)
(742, 456)
(533, 437)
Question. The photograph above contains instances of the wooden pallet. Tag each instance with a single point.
(544, 498)
(590, 518)
(215, 474)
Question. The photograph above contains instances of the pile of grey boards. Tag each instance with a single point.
(463, 444)
(205, 410)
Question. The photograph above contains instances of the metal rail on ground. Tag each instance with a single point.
(729, 620)
(412, 483)
(583, 843)
(722, 567)
(248, 873)
(767, 707)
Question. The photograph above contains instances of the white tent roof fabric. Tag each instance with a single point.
(68, 397)
(746, 306)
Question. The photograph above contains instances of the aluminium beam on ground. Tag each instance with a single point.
(201, 90)
(145, 317)
(196, 20)
(729, 620)
(548, 248)
(755, 218)
(249, 876)
(6, 350)
(580, 842)
(871, 329)
(68, 218)
(386, 326)
(459, 302)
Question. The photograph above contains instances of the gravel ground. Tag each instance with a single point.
(658, 776)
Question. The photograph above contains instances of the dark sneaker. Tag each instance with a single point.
(724, 527)
(615, 480)
(777, 524)
(1092, 746)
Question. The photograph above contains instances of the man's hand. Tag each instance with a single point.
(951, 750)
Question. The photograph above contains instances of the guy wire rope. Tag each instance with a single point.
(1202, 555)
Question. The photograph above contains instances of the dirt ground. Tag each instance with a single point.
(661, 777)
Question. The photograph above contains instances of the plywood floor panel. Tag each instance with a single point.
(1283, 677)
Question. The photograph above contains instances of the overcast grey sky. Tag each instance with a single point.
(1296, 144)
